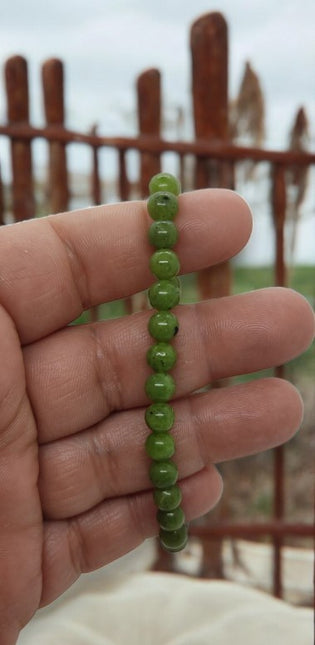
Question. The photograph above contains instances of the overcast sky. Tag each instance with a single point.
(106, 43)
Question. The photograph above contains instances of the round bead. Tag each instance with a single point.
(160, 446)
(161, 357)
(167, 499)
(162, 234)
(174, 540)
(162, 206)
(163, 326)
(164, 294)
(160, 387)
(163, 474)
(164, 181)
(160, 417)
(171, 520)
(164, 264)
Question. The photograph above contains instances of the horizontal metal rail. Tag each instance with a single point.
(200, 148)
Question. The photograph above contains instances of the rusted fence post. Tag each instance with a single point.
(209, 49)
(149, 119)
(16, 78)
(53, 92)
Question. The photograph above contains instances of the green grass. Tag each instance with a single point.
(109, 310)
(301, 278)
(249, 278)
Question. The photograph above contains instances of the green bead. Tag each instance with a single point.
(160, 417)
(164, 294)
(164, 263)
(162, 206)
(160, 446)
(161, 357)
(160, 387)
(163, 474)
(164, 181)
(163, 326)
(162, 234)
(167, 499)
(171, 520)
(174, 540)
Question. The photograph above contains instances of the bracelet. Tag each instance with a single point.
(162, 207)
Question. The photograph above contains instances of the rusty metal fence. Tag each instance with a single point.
(215, 162)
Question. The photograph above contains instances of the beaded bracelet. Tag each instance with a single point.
(162, 206)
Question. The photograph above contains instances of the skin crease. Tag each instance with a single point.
(72, 399)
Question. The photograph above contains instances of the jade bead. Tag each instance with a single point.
(167, 499)
(163, 326)
(164, 264)
(164, 294)
(161, 357)
(160, 387)
(160, 417)
(163, 235)
(163, 474)
(174, 540)
(171, 520)
(160, 446)
(164, 181)
(162, 206)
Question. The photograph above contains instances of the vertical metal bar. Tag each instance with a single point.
(149, 120)
(278, 514)
(53, 91)
(279, 211)
(123, 186)
(16, 78)
(95, 177)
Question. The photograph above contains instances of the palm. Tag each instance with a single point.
(21, 535)
(75, 493)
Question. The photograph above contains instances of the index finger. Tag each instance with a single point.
(52, 269)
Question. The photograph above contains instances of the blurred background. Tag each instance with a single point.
(97, 96)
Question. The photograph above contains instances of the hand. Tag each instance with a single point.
(74, 486)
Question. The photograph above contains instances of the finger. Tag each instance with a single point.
(53, 268)
(109, 460)
(113, 528)
(78, 376)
